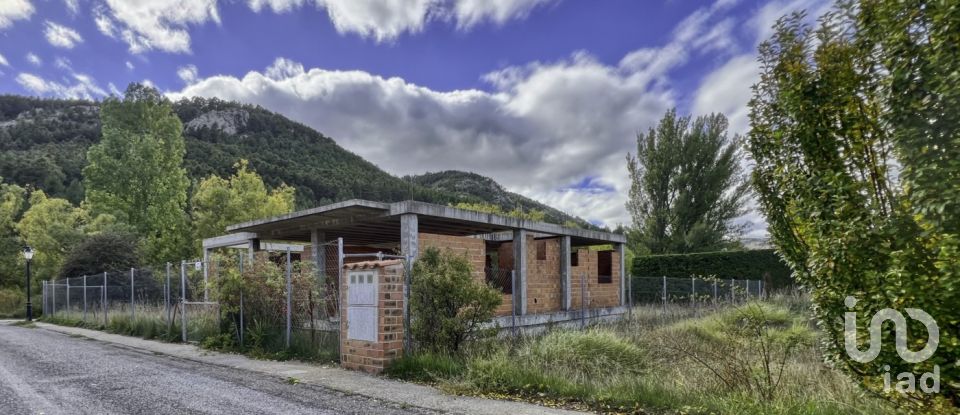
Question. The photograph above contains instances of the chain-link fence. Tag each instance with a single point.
(693, 291)
(276, 302)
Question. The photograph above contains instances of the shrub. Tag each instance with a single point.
(587, 354)
(448, 306)
(106, 251)
(12, 303)
(760, 264)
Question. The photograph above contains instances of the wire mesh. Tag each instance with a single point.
(693, 291)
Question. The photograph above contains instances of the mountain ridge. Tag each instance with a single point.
(43, 144)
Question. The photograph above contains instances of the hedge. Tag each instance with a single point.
(742, 265)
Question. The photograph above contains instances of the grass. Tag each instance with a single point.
(658, 361)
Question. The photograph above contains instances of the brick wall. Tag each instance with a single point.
(374, 357)
(599, 295)
(475, 249)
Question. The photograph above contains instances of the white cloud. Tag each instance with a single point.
(544, 127)
(113, 90)
(187, 74)
(129, 65)
(385, 20)
(34, 59)
(73, 6)
(3, 61)
(12, 10)
(61, 36)
(154, 24)
(81, 86)
(727, 90)
(62, 63)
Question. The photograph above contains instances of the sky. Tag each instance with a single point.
(544, 96)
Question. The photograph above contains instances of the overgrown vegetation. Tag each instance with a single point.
(448, 307)
(756, 358)
(856, 136)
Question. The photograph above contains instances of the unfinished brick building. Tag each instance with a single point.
(547, 273)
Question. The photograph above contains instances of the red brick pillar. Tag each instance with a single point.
(371, 318)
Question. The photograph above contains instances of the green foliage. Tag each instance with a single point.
(11, 207)
(839, 109)
(534, 215)
(686, 186)
(12, 302)
(105, 251)
(588, 354)
(425, 367)
(760, 264)
(52, 227)
(219, 202)
(136, 171)
(447, 305)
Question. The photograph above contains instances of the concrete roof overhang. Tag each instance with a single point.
(363, 222)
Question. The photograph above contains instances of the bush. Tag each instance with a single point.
(12, 303)
(106, 251)
(449, 308)
(760, 264)
(588, 354)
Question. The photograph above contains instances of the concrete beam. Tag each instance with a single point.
(227, 240)
(313, 211)
(520, 271)
(565, 270)
(621, 251)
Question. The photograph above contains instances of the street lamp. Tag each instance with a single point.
(28, 255)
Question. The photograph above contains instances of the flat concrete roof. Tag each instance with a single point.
(366, 222)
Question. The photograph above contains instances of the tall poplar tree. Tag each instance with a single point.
(136, 171)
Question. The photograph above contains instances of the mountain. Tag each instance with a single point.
(43, 144)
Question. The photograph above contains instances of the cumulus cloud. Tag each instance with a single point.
(542, 128)
(13, 10)
(73, 6)
(34, 59)
(187, 74)
(61, 36)
(80, 86)
(3, 61)
(155, 24)
(388, 19)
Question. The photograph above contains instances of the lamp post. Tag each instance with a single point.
(28, 255)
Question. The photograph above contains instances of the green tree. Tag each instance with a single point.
(11, 207)
(218, 202)
(136, 171)
(52, 227)
(837, 111)
(687, 186)
(448, 306)
(103, 251)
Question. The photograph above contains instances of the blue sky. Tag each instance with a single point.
(545, 96)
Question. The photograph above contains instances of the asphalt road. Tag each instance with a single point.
(51, 373)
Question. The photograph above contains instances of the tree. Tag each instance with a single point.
(52, 227)
(104, 251)
(11, 207)
(219, 202)
(136, 171)
(687, 186)
(449, 307)
(838, 110)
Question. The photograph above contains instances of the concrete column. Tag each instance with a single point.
(253, 246)
(520, 269)
(319, 254)
(409, 235)
(565, 272)
(621, 251)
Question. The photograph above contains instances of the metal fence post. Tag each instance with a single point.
(241, 302)
(84, 298)
(693, 292)
(68, 294)
(54, 297)
(133, 303)
(732, 297)
(513, 302)
(183, 301)
(715, 299)
(289, 296)
(583, 299)
(664, 295)
(43, 295)
(104, 302)
(166, 299)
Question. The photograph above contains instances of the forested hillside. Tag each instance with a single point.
(43, 144)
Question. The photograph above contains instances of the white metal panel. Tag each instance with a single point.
(362, 305)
